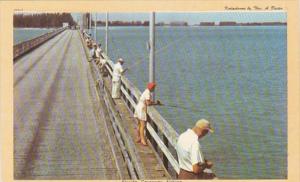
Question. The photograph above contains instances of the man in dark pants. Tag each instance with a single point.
(191, 161)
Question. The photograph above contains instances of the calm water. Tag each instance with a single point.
(23, 34)
(233, 76)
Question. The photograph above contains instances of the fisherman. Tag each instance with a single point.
(141, 112)
(83, 33)
(97, 53)
(92, 52)
(87, 40)
(191, 160)
(116, 80)
(103, 61)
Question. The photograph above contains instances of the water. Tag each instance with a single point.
(233, 76)
(23, 34)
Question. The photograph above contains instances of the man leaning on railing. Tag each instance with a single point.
(118, 71)
(191, 160)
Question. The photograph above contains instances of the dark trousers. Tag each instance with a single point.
(184, 174)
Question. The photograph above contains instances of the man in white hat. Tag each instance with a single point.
(96, 53)
(92, 51)
(191, 160)
(116, 79)
(102, 61)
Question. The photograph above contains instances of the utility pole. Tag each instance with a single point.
(152, 50)
(106, 35)
(90, 22)
(95, 23)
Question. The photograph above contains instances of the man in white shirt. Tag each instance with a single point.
(91, 52)
(191, 160)
(116, 79)
(102, 63)
(96, 53)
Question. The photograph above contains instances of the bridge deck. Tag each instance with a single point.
(58, 132)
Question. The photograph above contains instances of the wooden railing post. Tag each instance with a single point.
(165, 159)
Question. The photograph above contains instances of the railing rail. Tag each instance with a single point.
(26, 46)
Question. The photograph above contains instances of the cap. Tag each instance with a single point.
(151, 85)
(121, 60)
(204, 124)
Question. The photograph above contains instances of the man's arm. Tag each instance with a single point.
(124, 70)
(150, 102)
(198, 168)
(197, 158)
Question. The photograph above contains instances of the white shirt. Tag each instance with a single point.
(141, 108)
(117, 73)
(145, 96)
(103, 61)
(91, 52)
(188, 150)
(98, 50)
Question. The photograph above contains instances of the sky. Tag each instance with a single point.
(195, 17)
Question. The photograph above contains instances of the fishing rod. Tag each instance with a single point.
(140, 59)
(192, 109)
(180, 107)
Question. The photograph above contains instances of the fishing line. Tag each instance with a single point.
(196, 110)
(118, 53)
(167, 45)
(181, 107)
(140, 59)
(114, 47)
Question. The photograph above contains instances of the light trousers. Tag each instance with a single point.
(116, 89)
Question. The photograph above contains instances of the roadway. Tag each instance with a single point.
(58, 131)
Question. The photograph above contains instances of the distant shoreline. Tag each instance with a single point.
(168, 26)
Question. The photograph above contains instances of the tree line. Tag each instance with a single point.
(43, 20)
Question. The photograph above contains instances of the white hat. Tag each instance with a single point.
(121, 60)
(204, 124)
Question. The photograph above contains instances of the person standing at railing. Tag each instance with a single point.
(91, 50)
(83, 34)
(116, 79)
(102, 64)
(141, 112)
(191, 160)
(97, 53)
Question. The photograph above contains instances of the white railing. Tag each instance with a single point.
(26, 46)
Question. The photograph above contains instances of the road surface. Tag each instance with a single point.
(58, 131)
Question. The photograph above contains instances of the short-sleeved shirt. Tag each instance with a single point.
(146, 95)
(141, 108)
(98, 51)
(117, 73)
(91, 52)
(189, 150)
